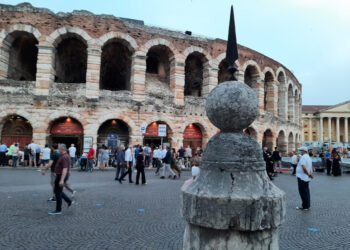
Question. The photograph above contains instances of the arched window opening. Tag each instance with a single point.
(194, 74)
(71, 61)
(268, 92)
(115, 66)
(223, 74)
(113, 133)
(268, 140)
(16, 129)
(158, 62)
(290, 103)
(281, 96)
(23, 57)
(251, 76)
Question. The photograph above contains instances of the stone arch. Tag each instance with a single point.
(15, 128)
(200, 50)
(67, 130)
(116, 60)
(291, 143)
(128, 40)
(62, 33)
(195, 66)
(252, 73)
(193, 136)
(267, 140)
(151, 136)
(158, 64)
(269, 91)
(290, 102)
(281, 142)
(282, 100)
(252, 132)
(113, 132)
(159, 41)
(70, 45)
(19, 52)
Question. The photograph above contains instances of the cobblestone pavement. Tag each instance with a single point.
(109, 215)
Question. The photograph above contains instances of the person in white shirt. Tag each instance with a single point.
(15, 152)
(188, 152)
(72, 150)
(304, 174)
(158, 155)
(129, 163)
(32, 156)
(294, 162)
(46, 155)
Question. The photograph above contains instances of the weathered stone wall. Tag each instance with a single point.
(149, 98)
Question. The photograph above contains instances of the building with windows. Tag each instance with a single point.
(83, 78)
(326, 123)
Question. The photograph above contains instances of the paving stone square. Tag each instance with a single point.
(109, 215)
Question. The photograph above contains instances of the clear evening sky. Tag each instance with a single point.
(310, 37)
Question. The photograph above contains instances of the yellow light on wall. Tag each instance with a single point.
(114, 122)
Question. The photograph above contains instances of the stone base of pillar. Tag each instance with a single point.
(196, 237)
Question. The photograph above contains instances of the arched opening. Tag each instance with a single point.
(194, 74)
(23, 56)
(67, 130)
(115, 66)
(281, 95)
(267, 140)
(223, 74)
(158, 63)
(16, 129)
(154, 137)
(269, 95)
(251, 131)
(193, 137)
(112, 133)
(71, 60)
(291, 145)
(281, 142)
(290, 103)
(251, 76)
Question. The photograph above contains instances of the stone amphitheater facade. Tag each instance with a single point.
(112, 75)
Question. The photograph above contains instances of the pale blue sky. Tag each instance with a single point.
(310, 37)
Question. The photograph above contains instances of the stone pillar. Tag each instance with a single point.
(330, 129)
(93, 73)
(177, 79)
(346, 136)
(210, 79)
(259, 89)
(310, 129)
(337, 129)
(240, 75)
(45, 72)
(4, 58)
(283, 102)
(291, 109)
(138, 76)
(321, 129)
(232, 204)
(271, 98)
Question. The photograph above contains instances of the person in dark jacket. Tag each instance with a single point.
(120, 159)
(276, 158)
(140, 167)
(167, 164)
(269, 163)
(336, 170)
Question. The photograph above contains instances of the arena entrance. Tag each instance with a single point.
(16, 129)
(68, 131)
(193, 137)
(151, 137)
(112, 133)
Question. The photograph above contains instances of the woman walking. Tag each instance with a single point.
(140, 167)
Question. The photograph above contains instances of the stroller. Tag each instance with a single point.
(83, 163)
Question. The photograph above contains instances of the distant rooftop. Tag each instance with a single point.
(314, 108)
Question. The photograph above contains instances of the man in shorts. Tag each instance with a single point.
(32, 156)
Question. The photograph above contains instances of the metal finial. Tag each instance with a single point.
(232, 50)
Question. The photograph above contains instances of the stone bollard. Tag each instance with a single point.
(232, 204)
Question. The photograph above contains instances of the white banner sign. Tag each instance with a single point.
(162, 130)
(143, 129)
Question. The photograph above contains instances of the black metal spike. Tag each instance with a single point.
(232, 50)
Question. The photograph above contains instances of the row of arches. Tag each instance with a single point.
(115, 58)
(112, 132)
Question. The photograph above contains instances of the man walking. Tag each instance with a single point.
(167, 164)
(276, 157)
(72, 151)
(120, 162)
(128, 160)
(3, 150)
(304, 174)
(32, 156)
(55, 155)
(268, 162)
(62, 170)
